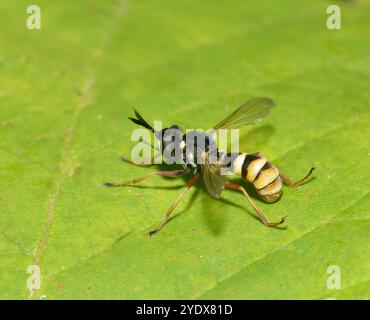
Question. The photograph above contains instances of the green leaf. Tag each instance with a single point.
(66, 92)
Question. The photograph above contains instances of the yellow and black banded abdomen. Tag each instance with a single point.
(255, 168)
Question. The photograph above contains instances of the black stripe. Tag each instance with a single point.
(265, 167)
(247, 160)
(231, 158)
(269, 184)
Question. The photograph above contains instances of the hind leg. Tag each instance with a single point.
(238, 187)
(296, 184)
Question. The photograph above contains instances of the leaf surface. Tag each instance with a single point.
(66, 92)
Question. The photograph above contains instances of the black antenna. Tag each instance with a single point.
(141, 122)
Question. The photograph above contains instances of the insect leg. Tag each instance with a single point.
(191, 183)
(124, 159)
(156, 155)
(296, 184)
(149, 144)
(172, 174)
(234, 186)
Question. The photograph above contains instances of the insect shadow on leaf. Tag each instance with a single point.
(257, 138)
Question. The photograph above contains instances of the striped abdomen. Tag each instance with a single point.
(255, 168)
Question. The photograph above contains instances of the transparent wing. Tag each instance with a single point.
(212, 178)
(248, 113)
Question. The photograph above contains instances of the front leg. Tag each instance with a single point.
(191, 183)
(126, 160)
(172, 174)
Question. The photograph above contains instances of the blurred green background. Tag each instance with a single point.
(66, 92)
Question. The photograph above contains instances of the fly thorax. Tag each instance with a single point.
(199, 146)
(171, 142)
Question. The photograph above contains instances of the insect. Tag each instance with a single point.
(253, 167)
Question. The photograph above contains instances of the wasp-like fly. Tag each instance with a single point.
(194, 158)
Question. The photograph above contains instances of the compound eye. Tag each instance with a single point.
(175, 126)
